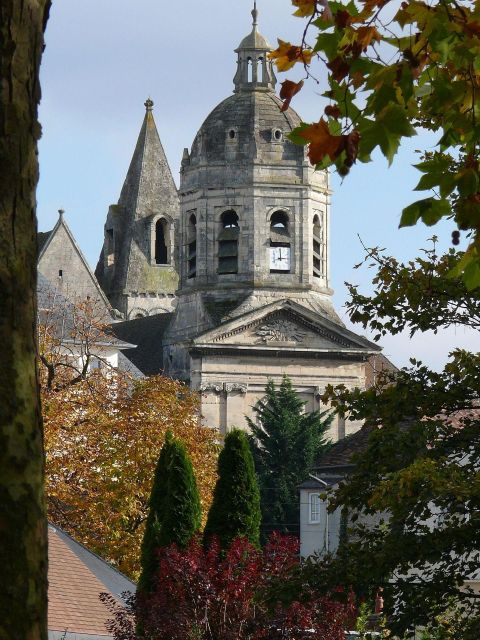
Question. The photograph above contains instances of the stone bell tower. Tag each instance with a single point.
(254, 216)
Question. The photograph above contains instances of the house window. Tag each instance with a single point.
(228, 243)
(280, 258)
(314, 508)
(192, 247)
(317, 248)
(161, 242)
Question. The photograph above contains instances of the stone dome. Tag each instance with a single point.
(254, 40)
(245, 126)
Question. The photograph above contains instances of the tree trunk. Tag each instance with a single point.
(23, 534)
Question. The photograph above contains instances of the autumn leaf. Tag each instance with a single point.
(287, 55)
(339, 68)
(365, 36)
(332, 110)
(321, 142)
(305, 7)
(288, 90)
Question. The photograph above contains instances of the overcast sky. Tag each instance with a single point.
(105, 57)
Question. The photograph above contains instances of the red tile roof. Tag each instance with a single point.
(74, 589)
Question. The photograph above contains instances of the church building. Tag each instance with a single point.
(225, 282)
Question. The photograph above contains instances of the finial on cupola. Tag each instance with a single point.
(254, 13)
(148, 104)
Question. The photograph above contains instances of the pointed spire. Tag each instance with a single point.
(149, 184)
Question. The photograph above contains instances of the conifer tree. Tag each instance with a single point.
(285, 442)
(235, 510)
(174, 508)
(182, 510)
(156, 504)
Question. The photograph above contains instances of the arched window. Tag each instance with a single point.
(260, 77)
(317, 248)
(192, 247)
(279, 220)
(162, 242)
(228, 243)
(109, 247)
(280, 258)
(249, 69)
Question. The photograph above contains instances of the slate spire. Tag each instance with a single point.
(136, 268)
(149, 184)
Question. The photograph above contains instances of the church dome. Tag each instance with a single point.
(254, 40)
(247, 124)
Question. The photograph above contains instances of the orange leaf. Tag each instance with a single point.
(339, 68)
(332, 110)
(288, 90)
(287, 55)
(365, 35)
(305, 7)
(322, 142)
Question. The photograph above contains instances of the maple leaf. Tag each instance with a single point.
(321, 142)
(365, 36)
(339, 68)
(286, 55)
(288, 90)
(332, 110)
(305, 7)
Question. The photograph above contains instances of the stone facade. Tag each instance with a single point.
(62, 264)
(250, 226)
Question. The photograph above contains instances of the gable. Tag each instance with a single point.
(288, 326)
(64, 266)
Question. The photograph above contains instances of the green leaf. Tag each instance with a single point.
(430, 210)
(467, 182)
(295, 136)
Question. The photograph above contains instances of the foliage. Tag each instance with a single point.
(103, 435)
(156, 511)
(417, 487)
(207, 594)
(418, 295)
(285, 442)
(392, 70)
(235, 510)
(182, 511)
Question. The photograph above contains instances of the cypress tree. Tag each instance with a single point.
(235, 510)
(174, 508)
(156, 505)
(285, 443)
(182, 510)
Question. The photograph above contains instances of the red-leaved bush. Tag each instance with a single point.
(207, 595)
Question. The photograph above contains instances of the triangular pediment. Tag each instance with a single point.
(285, 325)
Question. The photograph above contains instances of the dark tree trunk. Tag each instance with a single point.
(23, 535)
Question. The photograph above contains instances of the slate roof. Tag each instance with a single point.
(76, 578)
(147, 333)
(42, 237)
(342, 452)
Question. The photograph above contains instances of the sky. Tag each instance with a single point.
(103, 58)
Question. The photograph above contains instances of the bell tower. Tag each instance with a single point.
(254, 215)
